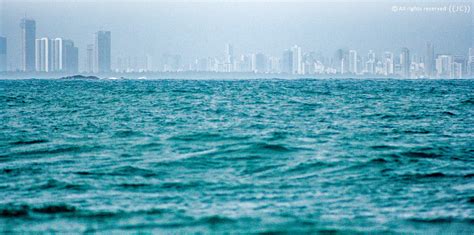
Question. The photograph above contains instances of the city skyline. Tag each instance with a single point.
(61, 55)
(423, 55)
(161, 27)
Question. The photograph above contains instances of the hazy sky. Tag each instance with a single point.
(201, 28)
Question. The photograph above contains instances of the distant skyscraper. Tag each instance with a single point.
(370, 64)
(341, 61)
(297, 60)
(388, 65)
(456, 70)
(443, 65)
(3, 54)
(70, 57)
(371, 55)
(56, 54)
(405, 62)
(429, 60)
(43, 55)
(287, 62)
(245, 63)
(470, 61)
(353, 61)
(229, 58)
(171, 63)
(28, 37)
(102, 52)
(90, 58)
(258, 63)
(274, 65)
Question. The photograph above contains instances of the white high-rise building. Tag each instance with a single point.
(371, 56)
(90, 58)
(353, 61)
(258, 63)
(229, 58)
(3, 54)
(43, 55)
(456, 70)
(57, 54)
(388, 64)
(405, 62)
(443, 65)
(429, 61)
(370, 64)
(470, 62)
(274, 63)
(297, 60)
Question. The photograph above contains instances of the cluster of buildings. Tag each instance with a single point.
(61, 55)
(46, 54)
(349, 62)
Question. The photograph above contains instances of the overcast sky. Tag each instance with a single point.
(201, 28)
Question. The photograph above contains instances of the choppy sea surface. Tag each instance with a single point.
(184, 156)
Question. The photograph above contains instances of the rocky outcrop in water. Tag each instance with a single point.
(80, 77)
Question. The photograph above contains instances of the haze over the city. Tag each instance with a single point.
(196, 29)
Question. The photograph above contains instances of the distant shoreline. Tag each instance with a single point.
(203, 76)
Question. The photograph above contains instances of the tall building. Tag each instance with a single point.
(171, 63)
(444, 65)
(388, 65)
(229, 58)
(353, 61)
(405, 62)
(102, 50)
(287, 62)
(57, 54)
(3, 54)
(470, 62)
(258, 63)
(28, 37)
(456, 70)
(341, 61)
(245, 63)
(297, 60)
(274, 65)
(90, 58)
(70, 57)
(429, 60)
(43, 55)
(370, 64)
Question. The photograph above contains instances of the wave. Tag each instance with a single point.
(205, 136)
(442, 220)
(55, 150)
(25, 210)
(383, 147)
(14, 211)
(54, 209)
(469, 101)
(127, 134)
(134, 185)
(131, 170)
(119, 171)
(215, 220)
(29, 142)
(53, 184)
(433, 175)
(425, 152)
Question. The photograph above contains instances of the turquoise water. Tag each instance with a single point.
(237, 156)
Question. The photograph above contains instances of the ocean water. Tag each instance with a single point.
(184, 156)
